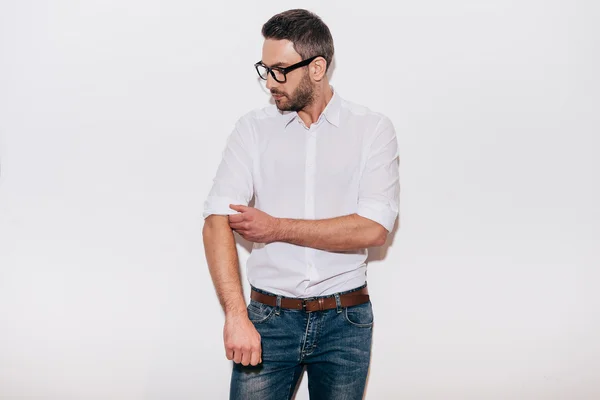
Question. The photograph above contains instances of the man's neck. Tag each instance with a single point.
(312, 113)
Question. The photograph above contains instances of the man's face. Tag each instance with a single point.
(298, 90)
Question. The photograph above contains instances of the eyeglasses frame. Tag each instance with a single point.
(283, 70)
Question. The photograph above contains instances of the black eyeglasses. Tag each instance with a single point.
(279, 73)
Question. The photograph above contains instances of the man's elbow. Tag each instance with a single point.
(379, 236)
(376, 234)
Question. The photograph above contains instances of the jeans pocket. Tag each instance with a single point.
(258, 312)
(360, 315)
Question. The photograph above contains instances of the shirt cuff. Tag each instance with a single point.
(380, 213)
(218, 205)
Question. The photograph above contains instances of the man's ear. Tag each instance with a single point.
(318, 68)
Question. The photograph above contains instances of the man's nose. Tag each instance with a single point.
(271, 82)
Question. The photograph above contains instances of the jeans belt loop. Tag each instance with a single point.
(338, 303)
(278, 305)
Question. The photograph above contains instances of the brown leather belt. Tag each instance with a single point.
(309, 305)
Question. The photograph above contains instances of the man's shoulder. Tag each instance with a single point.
(356, 110)
(257, 120)
(260, 115)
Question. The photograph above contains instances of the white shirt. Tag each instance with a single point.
(346, 162)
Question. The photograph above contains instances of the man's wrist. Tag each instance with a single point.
(235, 312)
(235, 306)
(281, 229)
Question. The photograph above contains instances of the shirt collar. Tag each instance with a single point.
(331, 111)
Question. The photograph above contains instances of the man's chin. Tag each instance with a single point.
(282, 105)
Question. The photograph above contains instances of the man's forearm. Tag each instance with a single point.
(222, 259)
(350, 232)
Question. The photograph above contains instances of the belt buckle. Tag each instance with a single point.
(319, 300)
(304, 306)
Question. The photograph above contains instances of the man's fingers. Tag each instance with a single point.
(237, 356)
(237, 207)
(242, 341)
(242, 232)
(256, 358)
(236, 218)
(237, 225)
(246, 355)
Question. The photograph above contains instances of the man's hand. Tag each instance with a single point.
(254, 225)
(242, 341)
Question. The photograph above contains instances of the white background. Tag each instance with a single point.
(113, 117)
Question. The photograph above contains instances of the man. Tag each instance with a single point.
(324, 174)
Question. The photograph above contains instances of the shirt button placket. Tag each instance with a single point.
(310, 175)
(311, 156)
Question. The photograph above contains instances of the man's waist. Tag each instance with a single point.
(344, 299)
(298, 277)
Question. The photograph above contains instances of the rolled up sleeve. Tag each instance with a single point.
(379, 189)
(233, 182)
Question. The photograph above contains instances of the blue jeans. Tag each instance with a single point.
(334, 345)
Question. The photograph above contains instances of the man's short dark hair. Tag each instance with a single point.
(309, 34)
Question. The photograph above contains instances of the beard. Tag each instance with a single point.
(301, 98)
